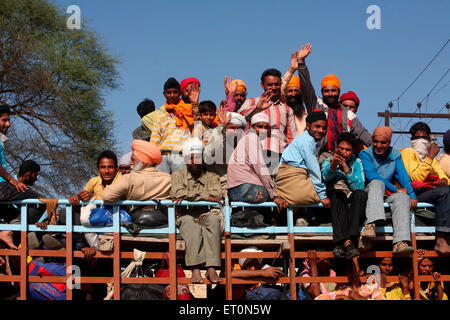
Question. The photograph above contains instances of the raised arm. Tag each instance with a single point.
(308, 93)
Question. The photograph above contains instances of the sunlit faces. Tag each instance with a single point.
(292, 94)
(107, 170)
(273, 84)
(239, 97)
(135, 163)
(380, 146)
(317, 129)
(5, 123)
(172, 96)
(330, 94)
(345, 150)
(350, 104)
(207, 117)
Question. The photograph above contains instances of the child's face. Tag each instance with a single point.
(207, 117)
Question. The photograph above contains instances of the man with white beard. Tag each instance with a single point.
(144, 182)
(428, 180)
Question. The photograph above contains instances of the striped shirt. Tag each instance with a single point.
(282, 129)
(165, 133)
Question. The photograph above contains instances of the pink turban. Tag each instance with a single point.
(383, 132)
(146, 152)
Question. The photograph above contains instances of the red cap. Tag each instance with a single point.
(188, 81)
(350, 96)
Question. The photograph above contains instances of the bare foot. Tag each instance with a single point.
(211, 275)
(6, 237)
(442, 246)
(196, 276)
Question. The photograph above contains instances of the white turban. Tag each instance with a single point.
(244, 261)
(260, 117)
(237, 119)
(125, 159)
(192, 146)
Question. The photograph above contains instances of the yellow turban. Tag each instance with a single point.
(294, 82)
(146, 152)
(331, 80)
(240, 85)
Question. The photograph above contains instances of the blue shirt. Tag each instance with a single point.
(355, 177)
(301, 153)
(391, 167)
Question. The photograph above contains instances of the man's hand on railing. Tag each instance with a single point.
(413, 203)
(281, 203)
(214, 199)
(42, 225)
(85, 195)
(88, 252)
(74, 200)
(177, 200)
(272, 273)
(326, 202)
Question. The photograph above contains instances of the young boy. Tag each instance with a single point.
(343, 174)
(208, 117)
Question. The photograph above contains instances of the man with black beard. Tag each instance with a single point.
(339, 119)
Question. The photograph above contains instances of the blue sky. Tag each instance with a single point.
(156, 40)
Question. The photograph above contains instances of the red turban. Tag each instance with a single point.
(146, 152)
(185, 82)
(350, 96)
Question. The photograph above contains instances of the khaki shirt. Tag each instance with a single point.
(185, 186)
(147, 184)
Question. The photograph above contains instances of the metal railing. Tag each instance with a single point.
(171, 230)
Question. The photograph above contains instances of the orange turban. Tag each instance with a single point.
(294, 82)
(331, 80)
(240, 85)
(147, 152)
(383, 132)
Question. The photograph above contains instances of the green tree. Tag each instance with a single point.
(54, 80)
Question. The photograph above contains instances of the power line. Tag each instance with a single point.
(426, 67)
(427, 97)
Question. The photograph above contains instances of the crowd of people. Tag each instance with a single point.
(288, 146)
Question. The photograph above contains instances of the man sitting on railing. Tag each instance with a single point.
(344, 175)
(200, 227)
(381, 164)
(27, 175)
(428, 180)
(6, 180)
(299, 179)
(144, 182)
(108, 173)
